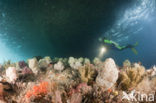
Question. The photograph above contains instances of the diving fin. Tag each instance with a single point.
(134, 51)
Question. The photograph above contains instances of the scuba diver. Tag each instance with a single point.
(112, 44)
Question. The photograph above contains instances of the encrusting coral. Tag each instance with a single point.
(73, 80)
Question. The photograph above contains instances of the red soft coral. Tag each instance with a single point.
(39, 90)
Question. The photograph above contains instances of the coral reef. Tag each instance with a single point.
(73, 80)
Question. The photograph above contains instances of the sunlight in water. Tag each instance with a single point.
(131, 22)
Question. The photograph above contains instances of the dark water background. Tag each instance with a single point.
(63, 28)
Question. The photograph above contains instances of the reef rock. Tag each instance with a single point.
(108, 74)
(43, 63)
(11, 74)
(33, 65)
(59, 66)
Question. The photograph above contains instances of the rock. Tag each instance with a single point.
(11, 74)
(108, 74)
(44, 63)
(59, 66)
(33, 65)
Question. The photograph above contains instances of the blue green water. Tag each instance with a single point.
(63, 28)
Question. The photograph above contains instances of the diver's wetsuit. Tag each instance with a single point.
(114, 45)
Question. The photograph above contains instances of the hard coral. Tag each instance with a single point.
(131, 77)
(39, 90)
(87, 73)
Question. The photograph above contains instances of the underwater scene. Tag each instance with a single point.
(77, 51)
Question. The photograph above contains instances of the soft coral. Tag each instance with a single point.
(38, 90)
